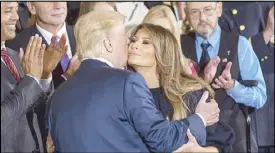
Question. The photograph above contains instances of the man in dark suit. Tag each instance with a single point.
(50, 21)
(255, 21)
(22, 88)
(103, 108)
(234, 61)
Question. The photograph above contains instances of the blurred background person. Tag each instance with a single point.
(86, 7)
(51, 27)
(255, 21)
(22, 86)
(163, 16)
(236, 61)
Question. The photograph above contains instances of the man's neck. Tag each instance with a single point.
(149, 75)
(50, 28)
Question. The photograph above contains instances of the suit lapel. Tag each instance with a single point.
(34, 31)
(70, 32)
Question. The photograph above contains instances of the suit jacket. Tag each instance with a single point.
(253, 16)
(18, 100)
(22, 39)
(103, 109)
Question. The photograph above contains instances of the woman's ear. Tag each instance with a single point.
(108, 45)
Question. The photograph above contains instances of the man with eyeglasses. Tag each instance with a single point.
(224, 59)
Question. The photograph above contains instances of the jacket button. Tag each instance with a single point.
(242, 27)
(234, 11)
(266, 57)
(262, 59)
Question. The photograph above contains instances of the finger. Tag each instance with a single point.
(27, 51)
(215, 111)
(217, 61)
(38, 46)
(204, 97)
(182, 148)
(215, 86)
(53, 41)
(227, 68)
(42, 52)
(74, 58)
(271, 12)
(64, 50)
(62, 41)
(21, 54)
(33, 46)
(213, 101)
(190, 136)
(218, 82)
(223, 81)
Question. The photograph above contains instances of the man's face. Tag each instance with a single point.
(51, 13)
(9, 17)
(119, 42)
(203, 16)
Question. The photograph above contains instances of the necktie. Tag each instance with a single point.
(9, 63)
(65, 59)
(204, 57)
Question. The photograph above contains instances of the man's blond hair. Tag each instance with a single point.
(91, 29)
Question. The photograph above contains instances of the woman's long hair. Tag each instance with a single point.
(175, 81)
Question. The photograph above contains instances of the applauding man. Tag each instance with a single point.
(22, 88)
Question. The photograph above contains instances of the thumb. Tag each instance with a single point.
(227, 68)
(190, 135)
(217, 60)
(21, 54)
(204, 97)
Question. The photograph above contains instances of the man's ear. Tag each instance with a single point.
(219, 9)
(31, 7)
(108, 45)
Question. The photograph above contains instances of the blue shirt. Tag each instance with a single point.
(249, 70)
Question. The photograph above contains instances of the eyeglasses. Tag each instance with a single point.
(208, 11)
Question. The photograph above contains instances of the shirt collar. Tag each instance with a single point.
(102, 60)
(213, 39)
(3, 46)
(48, 36)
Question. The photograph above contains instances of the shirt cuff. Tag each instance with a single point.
(45, 83)
(204, 123)
(33, 78)
(235, 91)
(63, 76)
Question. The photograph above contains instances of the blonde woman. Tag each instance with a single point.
(163, 16)
(154, 53)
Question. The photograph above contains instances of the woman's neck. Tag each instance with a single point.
(150, 76)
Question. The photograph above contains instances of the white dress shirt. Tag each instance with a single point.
(102, 60)
(44, 83)
(48, 36)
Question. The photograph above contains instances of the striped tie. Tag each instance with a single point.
(9, 63)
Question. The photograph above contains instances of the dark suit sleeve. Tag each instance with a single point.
(19, 100)
(220, 134)
(158, 134)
